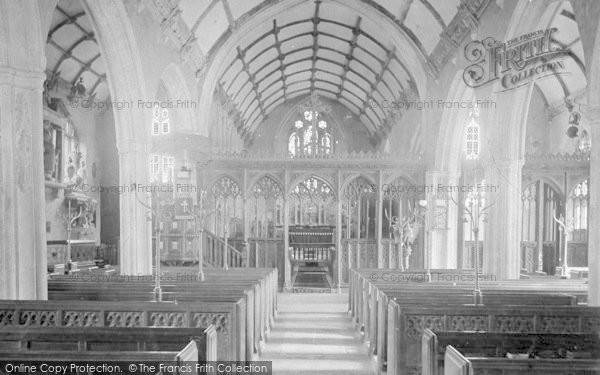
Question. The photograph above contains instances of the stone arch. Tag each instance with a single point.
(119, 48)
(451, 133)
(179, 93)
(594, 203)
(23, 258)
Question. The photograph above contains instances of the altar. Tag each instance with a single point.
(312, 253)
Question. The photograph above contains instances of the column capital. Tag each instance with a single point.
(132, 146)
(505, 164)
(21, 78)
(441, 174)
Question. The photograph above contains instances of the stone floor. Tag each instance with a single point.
(313, 334)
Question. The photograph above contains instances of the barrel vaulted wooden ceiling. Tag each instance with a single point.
(72, 49)
(573, 79)
(318, 46)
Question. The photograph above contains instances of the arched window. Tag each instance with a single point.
(472, 135)
(311, 136)
(154, 167)
(162, 168)
(160, 120)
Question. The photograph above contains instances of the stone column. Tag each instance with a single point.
(135, 248)
(502, 229)
(442, 241)
(287, 265)
(593, 118)
(379, 222)
(22, 201)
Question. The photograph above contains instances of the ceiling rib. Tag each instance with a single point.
(203, 16)
(74, 17)
(315, 43)
(350, 55)
(280, 56)
(378, 79)
(68, 21)
(252, 81)
(352, 78)
(434, 13)
(68, 54)
(84, 67)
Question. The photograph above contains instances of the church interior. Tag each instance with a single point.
(300, 186)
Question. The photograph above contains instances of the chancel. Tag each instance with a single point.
(300, 186)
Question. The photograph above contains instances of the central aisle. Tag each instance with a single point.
(313, 334)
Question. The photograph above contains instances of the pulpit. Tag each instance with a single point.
(312, 252)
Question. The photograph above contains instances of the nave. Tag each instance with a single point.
(314, 334)
(380, 326)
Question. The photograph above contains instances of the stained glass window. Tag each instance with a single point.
(160, 121)
(472, 135)
(311, 136)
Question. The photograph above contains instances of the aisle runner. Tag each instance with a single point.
(313, 334)
(311, 283)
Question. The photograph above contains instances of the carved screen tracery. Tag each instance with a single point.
(577, 212)
(359, 206)
(398, 198)
(540, 203)
(227, 208)
(265, 208)
(312, 203)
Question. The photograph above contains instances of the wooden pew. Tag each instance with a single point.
(27, 339)
(406, 325)
(455, 363)
(371, 315)
(228, 318)
(376, 320)
(254, 314)
(257, 286)
(362, 280)
(103, 345)
(379, 335)
(267, 278)
(493, 344)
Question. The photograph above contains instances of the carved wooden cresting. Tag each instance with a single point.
(103, 315)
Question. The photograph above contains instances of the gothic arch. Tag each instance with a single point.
(594, 102)
(348, 180)
(404, 176)
(298, 180)
(548, 181)
(118, 46)
(258, 178)
(451, 132)
(220, 177)
(173, 80)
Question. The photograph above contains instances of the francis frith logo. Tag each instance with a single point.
(515, 62)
